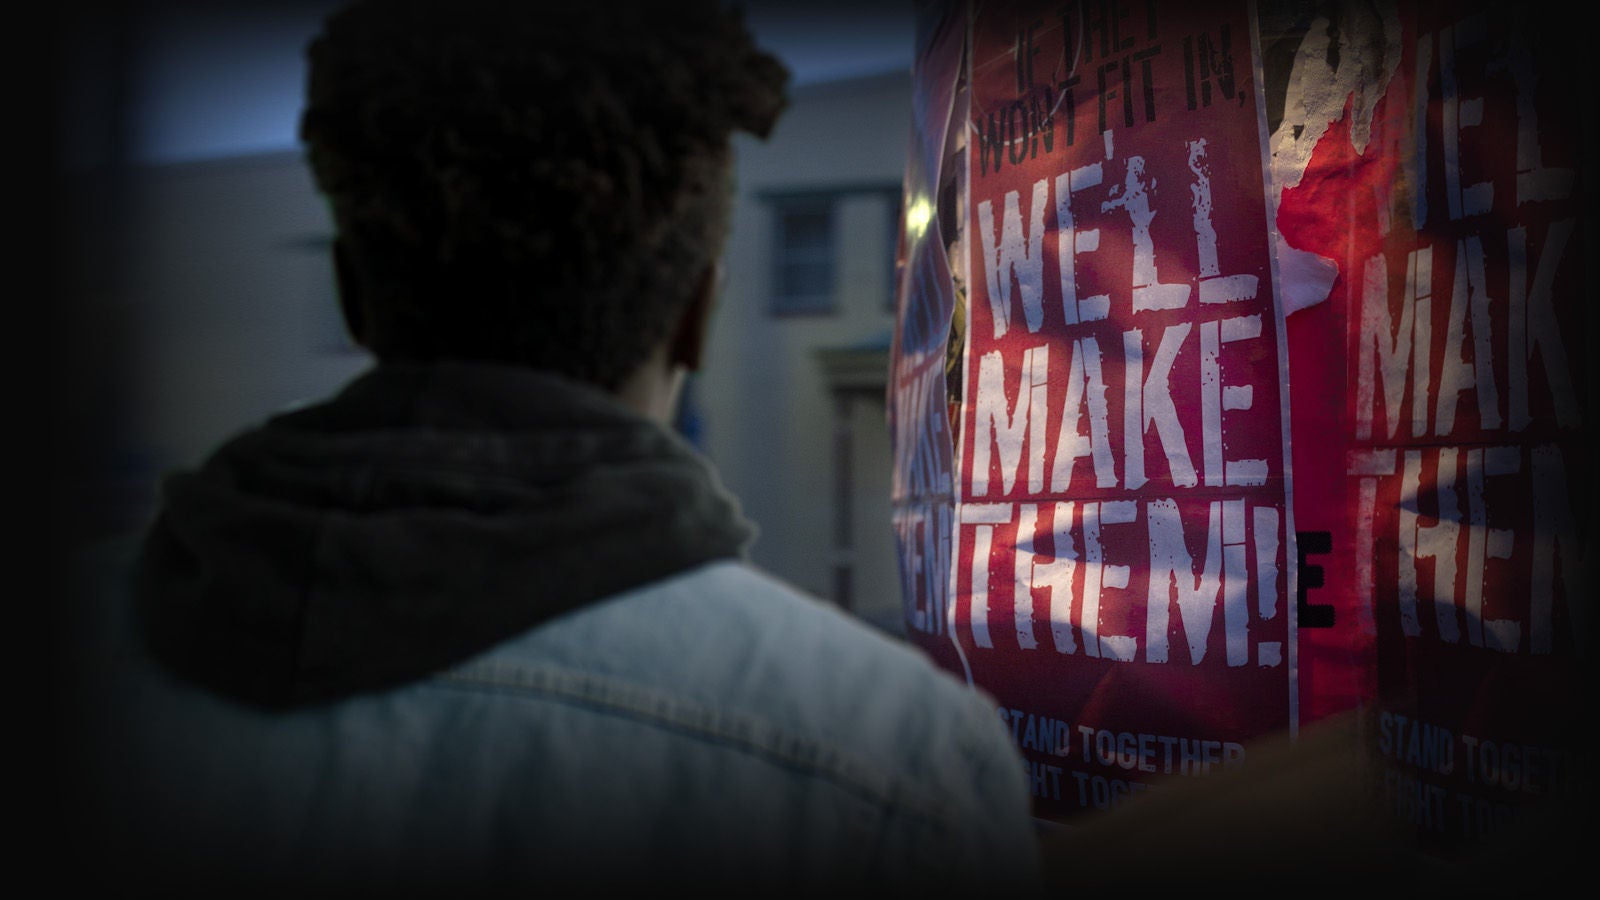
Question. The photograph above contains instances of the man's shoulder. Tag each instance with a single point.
(741, 614)
(731, 637)
(806, 686)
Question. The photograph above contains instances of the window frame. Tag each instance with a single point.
(785, 257)
(778, 203)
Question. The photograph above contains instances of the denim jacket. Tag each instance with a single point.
(707, 726)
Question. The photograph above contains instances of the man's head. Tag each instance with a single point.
(539, 184)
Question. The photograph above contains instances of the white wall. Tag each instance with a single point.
(769, 418)
(232, 282)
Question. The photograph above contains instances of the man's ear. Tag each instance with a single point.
(694, 323)
(350, 296)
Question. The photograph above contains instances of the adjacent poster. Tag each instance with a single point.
(1432, 175)
(1114, 530)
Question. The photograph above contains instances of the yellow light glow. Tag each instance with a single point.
(917, 216)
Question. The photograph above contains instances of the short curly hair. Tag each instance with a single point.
(531, 183)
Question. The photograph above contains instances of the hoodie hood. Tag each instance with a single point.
(416, 519)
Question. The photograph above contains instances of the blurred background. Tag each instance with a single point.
(192, 253)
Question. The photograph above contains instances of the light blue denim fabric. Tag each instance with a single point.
(715, 727)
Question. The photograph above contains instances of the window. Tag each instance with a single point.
(802, 277)
(812, 227)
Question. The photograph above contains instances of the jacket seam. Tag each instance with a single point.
(749, 734)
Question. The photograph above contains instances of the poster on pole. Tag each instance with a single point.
(1117, 541)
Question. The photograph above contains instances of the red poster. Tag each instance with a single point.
(1120, 538)
(1442, 396)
